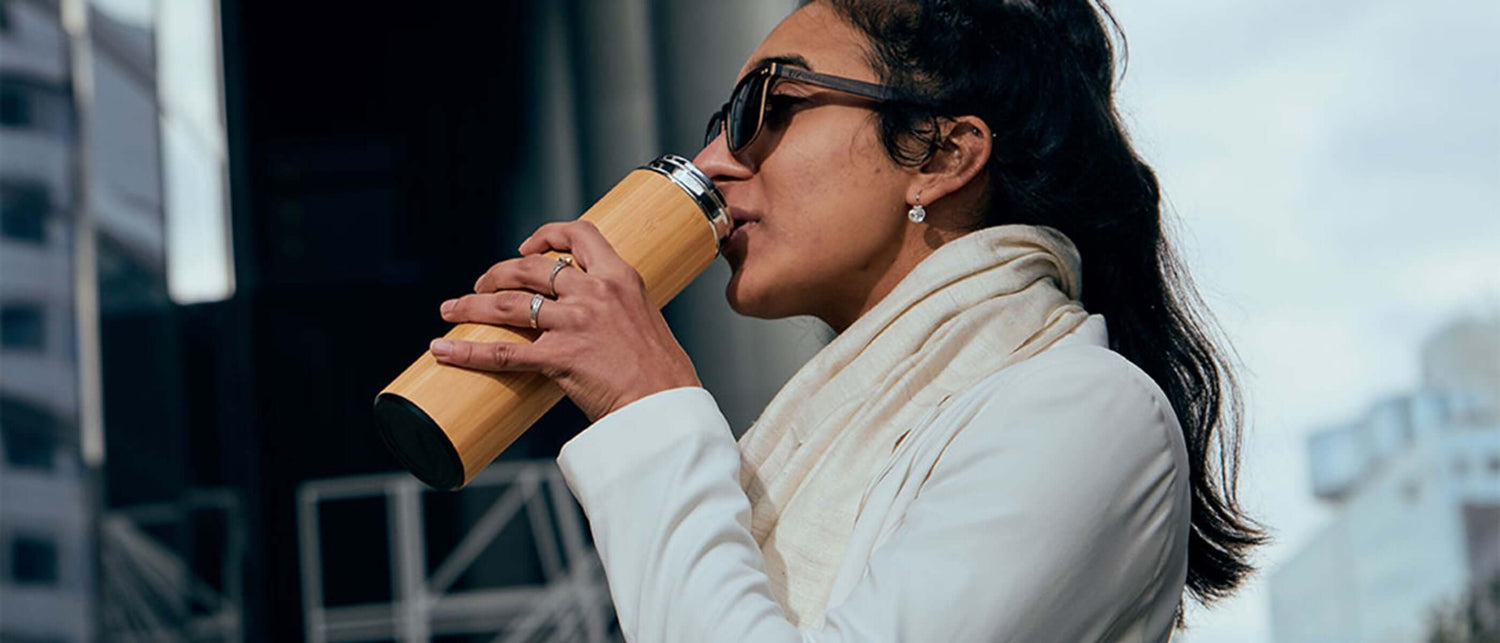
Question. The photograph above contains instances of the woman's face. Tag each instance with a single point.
(826, 204)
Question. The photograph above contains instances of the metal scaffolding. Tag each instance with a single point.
(151, 593)
(572, 604)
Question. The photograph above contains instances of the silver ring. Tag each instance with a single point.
(562, 262)
(536, 307)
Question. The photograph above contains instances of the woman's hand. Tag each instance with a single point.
(602, 340)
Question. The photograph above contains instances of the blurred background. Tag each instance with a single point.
(227, 224)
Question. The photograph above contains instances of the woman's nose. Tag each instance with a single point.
(716, 161)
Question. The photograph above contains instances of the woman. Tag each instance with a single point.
(1009, 439)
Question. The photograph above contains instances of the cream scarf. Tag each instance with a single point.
(977, 304)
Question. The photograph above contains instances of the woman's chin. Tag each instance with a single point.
(734, 293)
(743, 298)
(748, 300)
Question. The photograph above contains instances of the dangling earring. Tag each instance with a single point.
(917, 213)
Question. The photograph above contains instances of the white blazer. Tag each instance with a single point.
(1050, 502)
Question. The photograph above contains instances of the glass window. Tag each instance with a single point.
(21, 326)
(28, 434)
(35, 106)
(200, 259)
(33, 560)
(15, 106)
(23, 211)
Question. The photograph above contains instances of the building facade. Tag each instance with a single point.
(1415, 485)
(46, 524)
(98, 539)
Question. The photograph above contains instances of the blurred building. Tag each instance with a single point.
(46, 522)
(101, 513)
(1465, 357)
(1415, 486)
(387, 168)
(180, 378)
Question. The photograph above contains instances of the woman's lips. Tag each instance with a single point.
(741, 229)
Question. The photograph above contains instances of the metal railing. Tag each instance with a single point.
(151, 593)
(571, 604)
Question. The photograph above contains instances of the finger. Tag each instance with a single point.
(508, 308)
(521, 273)
(582, 238)
(566, 279)
(537, 243)
(497, 356)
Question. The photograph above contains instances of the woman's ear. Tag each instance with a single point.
(963, 150)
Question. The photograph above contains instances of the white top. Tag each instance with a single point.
(1050, 502)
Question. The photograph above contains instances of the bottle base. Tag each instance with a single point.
(418, 442)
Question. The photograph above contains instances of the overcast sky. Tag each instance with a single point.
(1334, 169)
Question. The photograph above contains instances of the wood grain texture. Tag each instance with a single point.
(655, 226)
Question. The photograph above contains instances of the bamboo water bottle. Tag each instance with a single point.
(446, 423)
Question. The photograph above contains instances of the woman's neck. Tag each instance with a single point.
(917, 244)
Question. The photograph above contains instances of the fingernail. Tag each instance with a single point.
(441, 347)
(448, 306)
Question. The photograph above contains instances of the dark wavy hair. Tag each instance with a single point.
(1041, 73)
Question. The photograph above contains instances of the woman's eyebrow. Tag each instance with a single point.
(790, 60)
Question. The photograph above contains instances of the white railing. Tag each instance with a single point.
(572, 603)
(150, 593)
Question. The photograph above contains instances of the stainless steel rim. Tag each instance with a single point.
(693, 181)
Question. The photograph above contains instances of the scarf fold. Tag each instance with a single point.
(977, 304)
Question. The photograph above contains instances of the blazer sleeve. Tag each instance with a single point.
(1047, 518)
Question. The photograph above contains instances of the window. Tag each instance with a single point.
(33, 560)
(35, 105)
(21, 326)
(15, 106)
(28, 434)
(23, 211)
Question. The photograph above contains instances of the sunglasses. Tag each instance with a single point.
(744, 116)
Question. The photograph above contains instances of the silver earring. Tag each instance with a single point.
(916, 213)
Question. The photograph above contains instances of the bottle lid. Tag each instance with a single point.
(693, 181)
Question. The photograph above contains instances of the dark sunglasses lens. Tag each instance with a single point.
(745, 111)
(715, 125)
